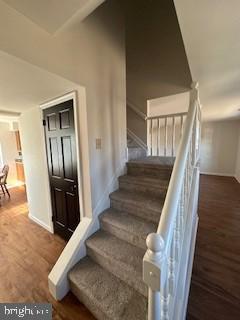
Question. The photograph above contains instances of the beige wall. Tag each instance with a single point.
(91, 54)
(219, 147)
(9, 151)
(238, 159)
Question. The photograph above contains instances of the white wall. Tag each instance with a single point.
(9, 151)
(219, 147)
(91, 54)
(238, 159)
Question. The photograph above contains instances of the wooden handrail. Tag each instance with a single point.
(171, 115)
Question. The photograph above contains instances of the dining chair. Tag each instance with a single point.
(3, 181)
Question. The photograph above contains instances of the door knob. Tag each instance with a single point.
(74, 187)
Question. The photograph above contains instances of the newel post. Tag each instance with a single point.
(154, 274)
(194, 101)
(194, 95)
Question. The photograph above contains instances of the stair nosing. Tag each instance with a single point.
(90, 295)
(133, 271)
(117, 225)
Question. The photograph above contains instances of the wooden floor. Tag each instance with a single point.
(27, 255)
(28, 252)
(215, 288)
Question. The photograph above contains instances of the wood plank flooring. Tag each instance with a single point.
(28, 252)
(27, 255)
(215, 287)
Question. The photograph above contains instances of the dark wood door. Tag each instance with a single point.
(62, 167)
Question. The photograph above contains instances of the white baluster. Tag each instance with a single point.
(194, 142)
(173, 136)
(151, 133)
(182, 209)
(181, 127)
(177, 234)
(166, 139)
(172, 264)
(158, 137)
(165, 297)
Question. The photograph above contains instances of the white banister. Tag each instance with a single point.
(137, 110)
(165, 253)
(162, 133)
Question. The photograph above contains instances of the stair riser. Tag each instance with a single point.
(124, 235)
(119, 270)
(133, 209)
(147, 189)
(161, 173)
(136, 153)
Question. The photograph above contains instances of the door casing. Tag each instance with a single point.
(70, 96)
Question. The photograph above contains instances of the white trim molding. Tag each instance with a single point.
(218, 174)
(41, 223)
(104, 201)
(136, 110)
(69, 96)
(72, 253)
(138, 141)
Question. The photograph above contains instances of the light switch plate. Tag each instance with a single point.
(98, 143)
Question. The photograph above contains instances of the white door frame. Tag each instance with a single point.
(69, 96)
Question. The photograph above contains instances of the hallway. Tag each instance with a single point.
(215, 288)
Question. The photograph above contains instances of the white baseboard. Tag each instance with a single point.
(218, 174)
(19, 184)
(237, 178)
(41, 223)
(104, 201)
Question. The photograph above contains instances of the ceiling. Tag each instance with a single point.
(51, 15)
(23, 85)
(210, 31)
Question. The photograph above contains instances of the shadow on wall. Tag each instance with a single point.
(157, 64)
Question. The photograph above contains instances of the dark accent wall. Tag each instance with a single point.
(156, 60)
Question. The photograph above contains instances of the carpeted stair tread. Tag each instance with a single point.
(153, 161)
(118, 257)
(145, 206)
(145, 184)
(127, 227)
(107, 297)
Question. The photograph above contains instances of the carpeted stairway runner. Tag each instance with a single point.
(109, 280)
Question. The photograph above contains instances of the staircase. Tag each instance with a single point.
(108, 281)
